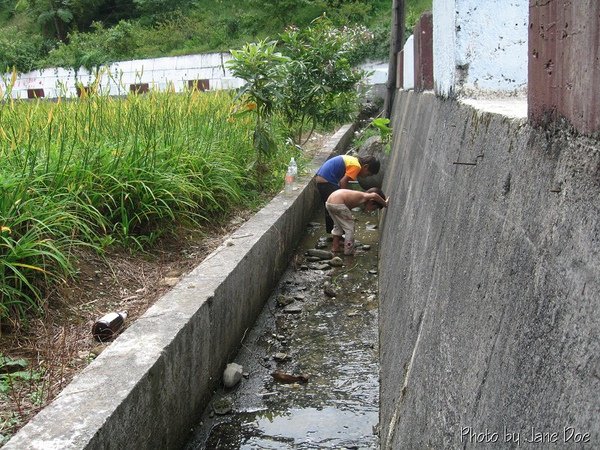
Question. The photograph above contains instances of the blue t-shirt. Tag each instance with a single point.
(334, 169)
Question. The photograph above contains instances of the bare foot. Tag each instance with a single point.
(336, 244)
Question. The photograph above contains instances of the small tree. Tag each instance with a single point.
(311, 82)
(263, 70)
(320, 85)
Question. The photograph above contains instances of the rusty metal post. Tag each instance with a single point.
(424, 52)
(564, 63)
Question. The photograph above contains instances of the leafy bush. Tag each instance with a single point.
(12, 371)
(375, 49)
(157, 8)
(352, 12)
(20, 51)
(311, 83)
(263, 70)
(91, 50)
(320, 83)
(161, 38)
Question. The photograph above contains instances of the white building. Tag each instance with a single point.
(205, 71)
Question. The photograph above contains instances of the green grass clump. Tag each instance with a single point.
(102, 171)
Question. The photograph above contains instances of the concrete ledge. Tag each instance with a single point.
(149, 387)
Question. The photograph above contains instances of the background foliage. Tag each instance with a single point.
(74, 33)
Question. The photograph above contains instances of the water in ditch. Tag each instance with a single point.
(310, 363)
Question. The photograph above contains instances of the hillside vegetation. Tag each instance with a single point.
(73, 33)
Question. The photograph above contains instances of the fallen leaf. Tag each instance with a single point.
(289, 378)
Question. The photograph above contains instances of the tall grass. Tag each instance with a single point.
(102, 170)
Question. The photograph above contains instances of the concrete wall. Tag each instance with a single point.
(480, 46)
(489, 280)
(116, 78)
(149, 387)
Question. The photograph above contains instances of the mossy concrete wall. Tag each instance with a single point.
(489, 281)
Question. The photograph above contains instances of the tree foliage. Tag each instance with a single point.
(58, 18)
(80, 30)
(53, 16)
(263, 70)
(158, 7)
(91, 50)
(20, 51)
(320, 85)
(310, 83)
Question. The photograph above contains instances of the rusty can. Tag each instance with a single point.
(106, 327)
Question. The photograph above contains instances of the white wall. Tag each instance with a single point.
(444, 46)
(377, 72)
(480, 46)
(159, 73)
(408, 67)
(117, 77)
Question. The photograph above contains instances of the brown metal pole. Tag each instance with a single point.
(396, 42)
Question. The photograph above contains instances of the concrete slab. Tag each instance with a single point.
(514, 108)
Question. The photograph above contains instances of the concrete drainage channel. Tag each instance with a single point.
(309, 376)
(150, 387)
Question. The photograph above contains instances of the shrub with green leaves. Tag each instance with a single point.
(311, 82)
(263, 70)
(19, 51)
(382, 124)
(320, 84)
(91, 50)
(14, 370)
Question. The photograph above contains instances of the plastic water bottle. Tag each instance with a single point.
(290, 176)
(294, 167)
(289, 181)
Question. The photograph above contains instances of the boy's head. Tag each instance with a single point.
(369, 166)
(372, 205)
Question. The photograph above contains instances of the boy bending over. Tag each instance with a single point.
(339, 204)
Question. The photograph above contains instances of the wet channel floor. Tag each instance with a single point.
(330, 340)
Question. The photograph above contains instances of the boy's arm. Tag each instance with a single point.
(344, 181)
(377, 198)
